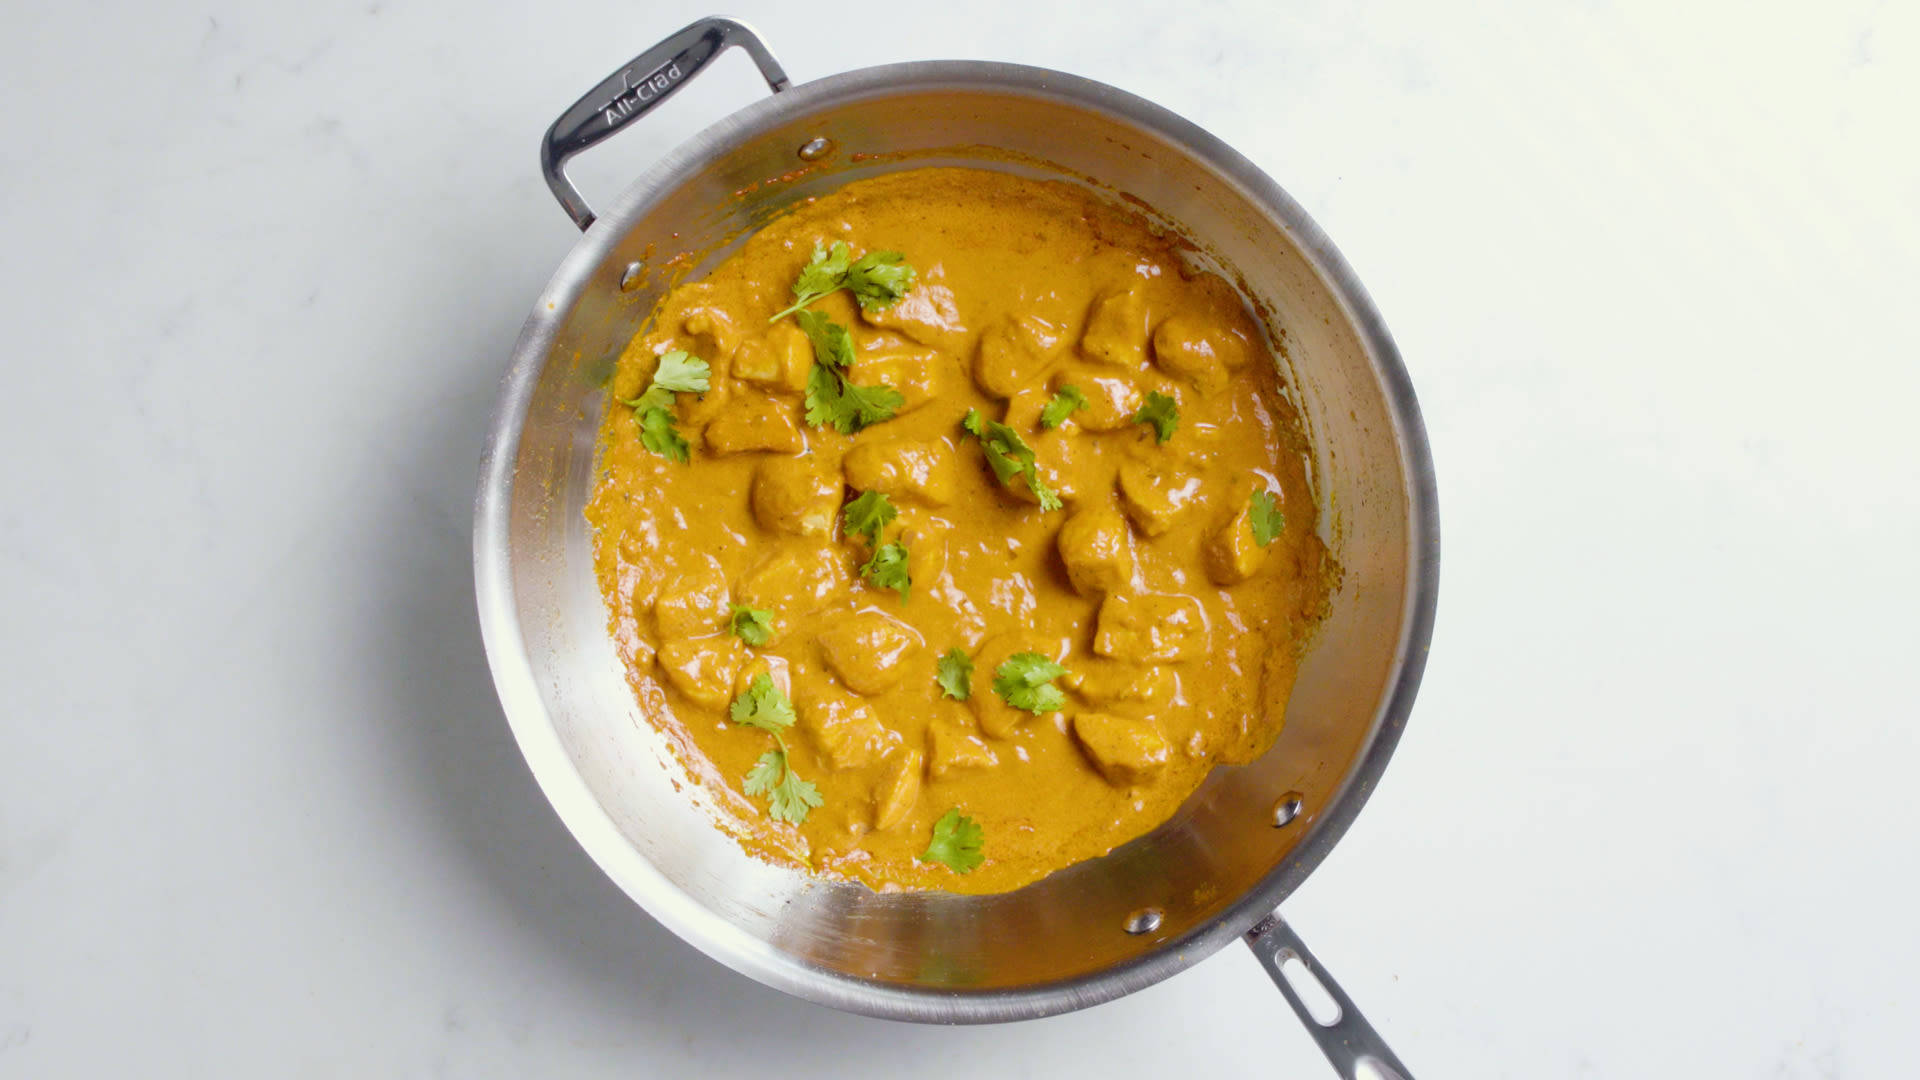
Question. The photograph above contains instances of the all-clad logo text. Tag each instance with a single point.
(634, 96)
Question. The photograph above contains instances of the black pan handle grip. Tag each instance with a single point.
(634, 90)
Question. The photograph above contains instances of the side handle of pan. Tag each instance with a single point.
(1350, 1043)
(634, 90)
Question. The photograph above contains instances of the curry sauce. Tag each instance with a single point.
(1122, 611)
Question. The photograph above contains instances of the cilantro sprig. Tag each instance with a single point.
(1268, 521)
(658, 434)
(877, 279)
(1009, 456)
(956, 842)
(751, 625)
(954, 673)
(1160, 411)
(1065, 401)
(832, 400)
(1025, 681)
(869, 513)
(679, 372)
(763, 706)
(887, 569)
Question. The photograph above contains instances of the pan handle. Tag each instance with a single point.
(633, 91)
(1347, 1039)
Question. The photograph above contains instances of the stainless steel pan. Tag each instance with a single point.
(1090, 933)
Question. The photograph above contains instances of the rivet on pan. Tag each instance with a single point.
(630, 278)
(1144, 921)
(815, 149)
(1286, 809)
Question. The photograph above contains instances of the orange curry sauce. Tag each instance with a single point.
(1178, 629)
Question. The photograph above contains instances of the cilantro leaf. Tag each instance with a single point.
(1162, 412)
(789, 798)
(793, 799)
(763, 706)
(1025, 681)
(658, 434)
(955, 674)
(1009, 456)
(826, 405)
(870, 404)
(751, 625)
(847, 407)
(868, 514)
(879, 279)
(956, 842)
(824, 273)
(766, 772)
(887, 569)
(654, 397)
(1010, 447)
(1065, 401)
(682, 373)
(831, 399)
(1268, 521)
(831, 342)
(677, 372)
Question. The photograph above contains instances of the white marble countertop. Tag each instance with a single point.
(1653, 271)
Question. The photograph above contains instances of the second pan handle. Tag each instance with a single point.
(1349, 1042)
(634, 90)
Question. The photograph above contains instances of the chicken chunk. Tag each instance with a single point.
(1150, 628)
(1220, 332)
(797, 495)
(1117, 330)
(797, 578)
(1154, 496)
(1125, 750)
(926, 551)
(1107, 683)
(869, 652)
(755, 422)
(713, 339)
(1191, 348)
(906, 469)
(1068, 463)
(848, 733)
(951, 746)
(711, 327)
(898, 790)
(1095, 547)
(1111, 400)
(927, 314)
(1194, 446)
(1231, 553)
(702, 670)
(1015, 354)
(694, 604)
(777, 362)
(758, 664)
(918, 375)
